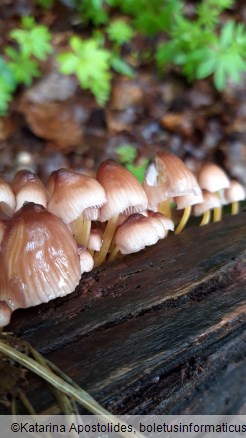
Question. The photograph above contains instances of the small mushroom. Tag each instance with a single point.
(210, 202)
(233, 195)
(125, 195)
(7, 200)
(213, 179)
(137, 232)
(27, 187)
(171, 179)
(76, 199)
(39, 260)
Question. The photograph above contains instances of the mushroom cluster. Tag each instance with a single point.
(50, 236)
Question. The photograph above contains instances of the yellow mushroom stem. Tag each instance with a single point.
(218, 210)
(165, 208)
(217, 214)
(85, 234)
(184, 220)
(113, 254)
(81, 230)
(107, 239)
(235, 207)
(206, 218)
(76, 227)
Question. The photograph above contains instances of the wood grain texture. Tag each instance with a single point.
(160, 331)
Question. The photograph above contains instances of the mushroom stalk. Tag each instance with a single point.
(77, 227)
(107, 239)
(217, 214)
(235, 207)
(165, 208)
(113, 254)
(86, 229)
(206, 218)
(184, 220)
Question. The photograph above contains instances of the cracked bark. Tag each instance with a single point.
(161, 331)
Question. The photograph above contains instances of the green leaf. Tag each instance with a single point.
(138, 170)
(91, 64)
(121, 67)
(68, 63)
(126, 153)
(33, 40)
(24, 69)
(119, 32)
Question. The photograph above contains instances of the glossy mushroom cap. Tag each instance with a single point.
(235, 192)
(2, 231)
(38, 258)
(210, 201)
(7, 200)
(177, 179)
(72, 193)
(154, 192)
(27, 187)
(137, 232)
(168, 177)
(212, 178)
(125, 195)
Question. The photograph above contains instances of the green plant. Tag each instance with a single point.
(90, 63)
(20, 63)
(127, 157)
(33, 40)
(202, 46)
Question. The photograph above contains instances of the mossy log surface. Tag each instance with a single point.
(161, 331)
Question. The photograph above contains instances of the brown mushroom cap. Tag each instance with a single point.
(7, 200)
(177, 179)
(167, 223)
(168, 177)
(137, 232)
(212, 178)
(72, 193)
(28, 187)
(125, 195)
(38, 258)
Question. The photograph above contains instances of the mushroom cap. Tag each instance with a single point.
(28, 187)
(175, 177)
(235, 192)
(212, 178)
(125, 195)
(2, 231)
(154, 192)
(7, 200)
(86, 260)
(186, 200)
(210, 201)
(137, 232)
(38, 257)
(167, 223)
(72, 193)
(166, 178)
(95, 239)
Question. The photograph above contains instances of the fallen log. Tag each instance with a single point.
(161, 331)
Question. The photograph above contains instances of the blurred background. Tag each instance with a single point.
(85, 80)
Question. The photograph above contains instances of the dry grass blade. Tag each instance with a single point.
(76, 393)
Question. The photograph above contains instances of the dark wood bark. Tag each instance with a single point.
(161, 331)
